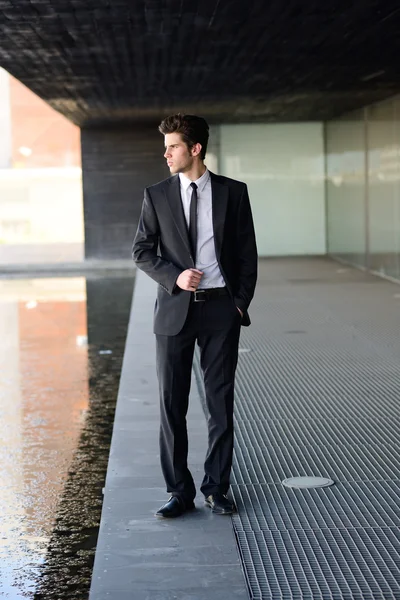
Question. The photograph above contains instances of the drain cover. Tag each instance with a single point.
(307, 482)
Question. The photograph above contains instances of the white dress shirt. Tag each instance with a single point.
(206, 259)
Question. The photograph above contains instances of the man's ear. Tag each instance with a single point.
(196, 149)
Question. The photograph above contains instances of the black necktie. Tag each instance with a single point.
(193, 221)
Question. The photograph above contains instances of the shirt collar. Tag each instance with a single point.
(201, 182)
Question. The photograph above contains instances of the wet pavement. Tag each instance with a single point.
(60, 360)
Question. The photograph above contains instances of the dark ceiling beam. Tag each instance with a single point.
(118, 61)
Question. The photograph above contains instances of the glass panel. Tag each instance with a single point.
(213, 149)
(345, 147)
(396, 181)
(283, 166)
(383, 165)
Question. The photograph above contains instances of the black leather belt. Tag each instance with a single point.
(204, 295)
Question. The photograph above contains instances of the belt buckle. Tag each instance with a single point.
(198, 294)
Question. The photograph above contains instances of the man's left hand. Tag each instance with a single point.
(241, 312)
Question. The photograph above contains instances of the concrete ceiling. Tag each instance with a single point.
(108, 61)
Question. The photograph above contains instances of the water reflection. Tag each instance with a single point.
(60, 361)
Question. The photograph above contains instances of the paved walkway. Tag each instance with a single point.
(317, 394)
(140, 557)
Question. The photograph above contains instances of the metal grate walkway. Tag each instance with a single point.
(318, 393)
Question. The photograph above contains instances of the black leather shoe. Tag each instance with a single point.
(175, 507)
(220, 504)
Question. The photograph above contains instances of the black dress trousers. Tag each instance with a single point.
(215, 325)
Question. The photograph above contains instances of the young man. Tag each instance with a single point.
(196, 240)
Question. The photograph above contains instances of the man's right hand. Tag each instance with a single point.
(189, 280)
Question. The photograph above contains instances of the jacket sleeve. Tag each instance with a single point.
(145, 248)
(247, 253)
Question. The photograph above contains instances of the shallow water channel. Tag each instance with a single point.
(62, 344)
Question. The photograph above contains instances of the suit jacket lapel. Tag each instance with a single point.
(220, 194)
(173, 193)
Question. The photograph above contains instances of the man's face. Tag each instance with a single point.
(179, 157)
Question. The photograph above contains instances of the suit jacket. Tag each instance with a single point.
(161, 247)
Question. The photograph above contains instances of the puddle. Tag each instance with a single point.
(60, 363)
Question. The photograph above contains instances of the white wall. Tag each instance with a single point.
(5, 120)
(283, 166)
(41, 206)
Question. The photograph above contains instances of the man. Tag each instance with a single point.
(196, 239)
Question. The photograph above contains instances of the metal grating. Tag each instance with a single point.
(360, 564)
(322, 432)
(258, 461)
(359, 504)
(318, 394)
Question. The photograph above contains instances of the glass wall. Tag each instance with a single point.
(41, 206)
(345, 188)
(383, 149)
(283, 165)
(363, 187)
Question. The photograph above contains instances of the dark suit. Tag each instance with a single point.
(162, 250)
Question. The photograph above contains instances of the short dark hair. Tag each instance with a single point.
(194, 130)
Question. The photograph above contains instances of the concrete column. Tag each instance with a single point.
(117, 164)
